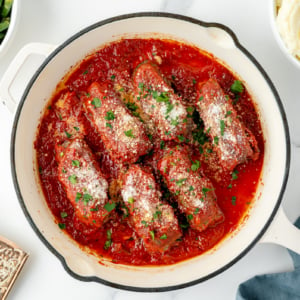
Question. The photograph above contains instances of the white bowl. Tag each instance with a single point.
(14, 19)
(273, 12)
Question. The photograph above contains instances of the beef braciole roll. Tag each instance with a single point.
(84, 183)
(233, 141)
(153, 220)
(123, 135)
(160, 104)
(194, 192)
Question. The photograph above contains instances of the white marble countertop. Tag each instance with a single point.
(53, 21)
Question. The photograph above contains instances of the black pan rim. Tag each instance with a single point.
(120, 18)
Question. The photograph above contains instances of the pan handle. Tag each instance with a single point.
(283, 232)
(10, 76)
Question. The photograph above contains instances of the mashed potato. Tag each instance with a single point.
(288, 22)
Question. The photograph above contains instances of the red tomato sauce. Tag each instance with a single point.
(183, 66)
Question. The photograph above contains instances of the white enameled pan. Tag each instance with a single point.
(266, 222)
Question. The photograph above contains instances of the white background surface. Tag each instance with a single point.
(53, 21)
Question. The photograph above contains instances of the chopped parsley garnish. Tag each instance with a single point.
(163, 237)
(196, 210)
(228, 113)
(152, 234)
(195, 165)
(69, 135)
(141, 86)
(109, 115)
(108, 125)
(190, 217)
(96, 102)
(112, 77)
(181, 138)
(156, 214)
(180, 182)
(237, 87)
(233, 200)
(109, 206)
(189, 109)
(129, 133)
(205, 190)
(87, 198)
(73, 179)
(174, 122)
(63, 214)
(191, 188)
(144, 223)
(95, 209)
(78, 196)
(200, 98)
(131, 106)
(62, 225)
(234, 175)
(75, 163)
(170, 106)
(108, 241)
(163, 97)
(130, 200)
(222, 127)
(216, 140)
(162, 144)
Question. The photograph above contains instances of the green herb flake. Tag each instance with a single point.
(170, 106)
(216, 140)
(200, 98)
(76, 163)
(151, 232)
(162, 144)
(205, 190)
(222, 127)
(130, 200)
(109, 206)
(108, 125)
(96, 102)
(86, 198)
(108, 241)
(196, 210)
(129, 133)
(73, 179)
(163, 237)
(190, 217)
(63, 214)
(144, 223)
(62, 225)
(234, 175)
(180, 182)
(174, 122)
(78, 196)
(237, 87)
(109, 115)
(233, 200)
(94, 209)
(195, 166)
(181, 138)
(228, 113)
(113, 77)
(69, 135)
(191, 188)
